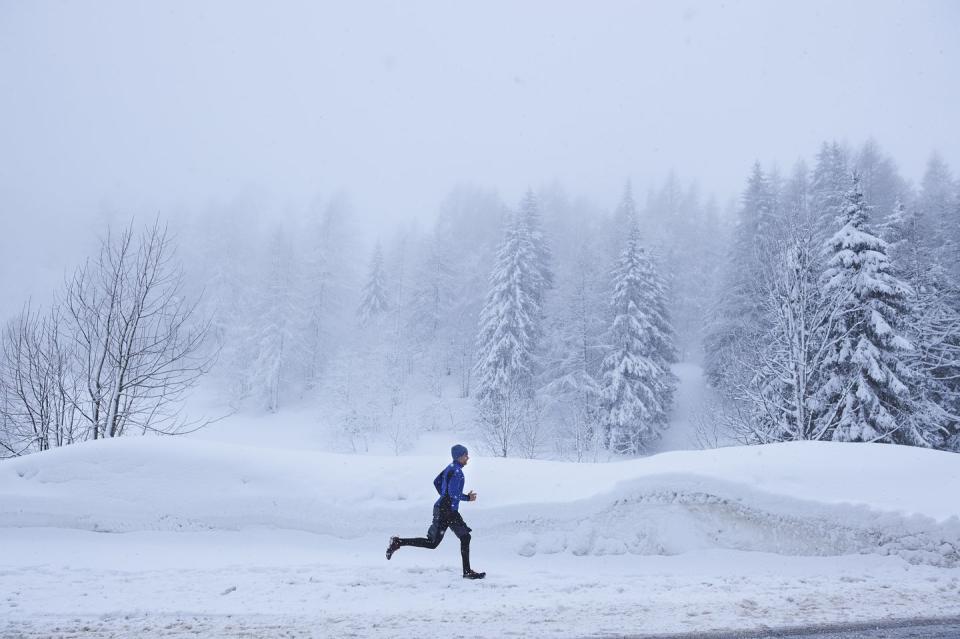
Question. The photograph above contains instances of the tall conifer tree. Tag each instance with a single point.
(636, 384)
(543, 275)
(510, 331)
(867, 396)
(373, 303)
(829, 184)
(737, 318)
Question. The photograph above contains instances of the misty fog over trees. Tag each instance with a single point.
(823, 304)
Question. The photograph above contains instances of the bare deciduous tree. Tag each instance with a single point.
(115, 357)
(137, 344)
(37, 385)
(500, 419)
(780, 368)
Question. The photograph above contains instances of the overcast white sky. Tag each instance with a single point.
(142, 107)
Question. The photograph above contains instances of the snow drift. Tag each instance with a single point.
(794, 499)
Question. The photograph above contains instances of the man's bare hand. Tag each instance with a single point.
(472, 495)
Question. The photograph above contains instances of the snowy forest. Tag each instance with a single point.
(479, 319)
(822, 304)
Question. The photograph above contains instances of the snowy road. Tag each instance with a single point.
(907, 629)
(174, 627)
(271, 583)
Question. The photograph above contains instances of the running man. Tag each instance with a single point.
(446, 514)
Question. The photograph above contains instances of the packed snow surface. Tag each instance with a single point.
(174, 537)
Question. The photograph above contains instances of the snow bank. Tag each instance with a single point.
(796, 499)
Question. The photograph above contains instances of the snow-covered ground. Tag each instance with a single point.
(182, 537)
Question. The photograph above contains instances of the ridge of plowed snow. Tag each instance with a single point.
(796, 498)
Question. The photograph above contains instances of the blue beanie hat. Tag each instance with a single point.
(458, 451)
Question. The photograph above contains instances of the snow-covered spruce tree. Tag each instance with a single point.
(935, 329)
(276, 369)
(223, 274)
(576, 324)
(693, 283)
(636, 384)
(368, 380)
(882, 184)
(934, 323)
(398, 349)
(448, 286)
(829, 184)
(795, 199)
(937, 204)
(927, 238)
(677, 225)
(427, 314)
(220, 252)
(574, 358)
(866, 396)
(530, 211)
(510, 331)
(373, 301)
(326, 287)
(903, 230)
(737, 317)
(623, 216)
(575, 366)
(399, 354)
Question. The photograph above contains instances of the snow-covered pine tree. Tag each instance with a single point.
(327, 286)
(927, 235)
(576, 324)
(319, 307)
(508, 340)
(902, 230)
(934, 323)
(667, 214)
(373, 301)
(677, 225)
(829, 184)
(221, 274)
(368, 380)
(737, 317)
(448, 286)
(400, 351)
(935, 329)
(574, 359)
(866, 395)
(655, 297)
(623, 216)
(427, 315)
(530, 211)
(795, 198)
(938, 207)
(882, 184)
(275, 370)
(696, 280)
(636, 384)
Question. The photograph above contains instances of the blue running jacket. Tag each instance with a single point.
(449, 483)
